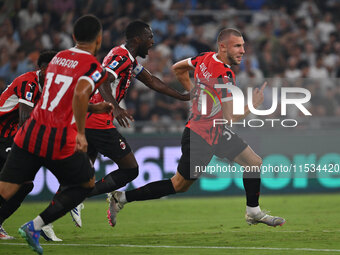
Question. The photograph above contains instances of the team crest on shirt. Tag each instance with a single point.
(29, 96)
(96, 76)
(114, 64)
(122, 145)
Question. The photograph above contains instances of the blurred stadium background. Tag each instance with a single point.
(290, 43)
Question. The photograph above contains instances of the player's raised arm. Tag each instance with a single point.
(156, 84)
(227, 107)
(80, 102)
(181, 70)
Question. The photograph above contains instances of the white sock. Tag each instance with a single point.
(253, 210)
(38, 223)
(122, 198)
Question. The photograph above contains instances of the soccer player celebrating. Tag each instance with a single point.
(54, 135)
(201, 140)
(16, 104)
(101, 134)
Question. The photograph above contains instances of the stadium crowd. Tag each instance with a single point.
(288, 43)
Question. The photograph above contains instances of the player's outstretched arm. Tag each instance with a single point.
(181, 70)
(121, 115)
(156, 84)
(80, 102)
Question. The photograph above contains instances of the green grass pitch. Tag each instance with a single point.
(191, 226)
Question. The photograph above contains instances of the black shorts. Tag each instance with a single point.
(108, 142)
(22, 166)
(5, 148)
(197, 152)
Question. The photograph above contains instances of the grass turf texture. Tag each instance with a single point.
(312, 222)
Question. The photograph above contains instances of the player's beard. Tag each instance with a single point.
(233, 60)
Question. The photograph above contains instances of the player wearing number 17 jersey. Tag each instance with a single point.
(51, 131)
(54, 135)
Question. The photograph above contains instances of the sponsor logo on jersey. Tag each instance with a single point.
(96, 76)
(114, 64)
(29, 96)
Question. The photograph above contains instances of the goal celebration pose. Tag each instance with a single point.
(201, 140)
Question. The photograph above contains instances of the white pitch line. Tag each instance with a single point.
(182, 247)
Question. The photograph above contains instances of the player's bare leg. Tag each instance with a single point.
(252, 182)
(7, 190)
(180, 184)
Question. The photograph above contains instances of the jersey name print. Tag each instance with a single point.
(208, 99)
(51, 131)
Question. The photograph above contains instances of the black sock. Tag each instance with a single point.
(2, 200)
(252, 184)
(152, 190)
(114, 180)
(10, 206)
(64, 200)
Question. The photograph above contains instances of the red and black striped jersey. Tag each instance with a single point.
(122, 65)
(51, 131)
(24, 89)
(207, 102)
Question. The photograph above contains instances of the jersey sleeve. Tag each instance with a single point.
(95, 75)
(137, 68)
(227, 77)
(117, 65)
(193, 61)
(28, 91)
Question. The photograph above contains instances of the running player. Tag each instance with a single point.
(54, 135)
(101, 134)
(16, 104)
(201, 140)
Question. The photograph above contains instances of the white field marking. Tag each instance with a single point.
(181, 247)
(206, 232)
(279, 231)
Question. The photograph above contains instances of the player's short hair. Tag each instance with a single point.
(135, 28)
(87, 28)
(45, 57)
(225, 33)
